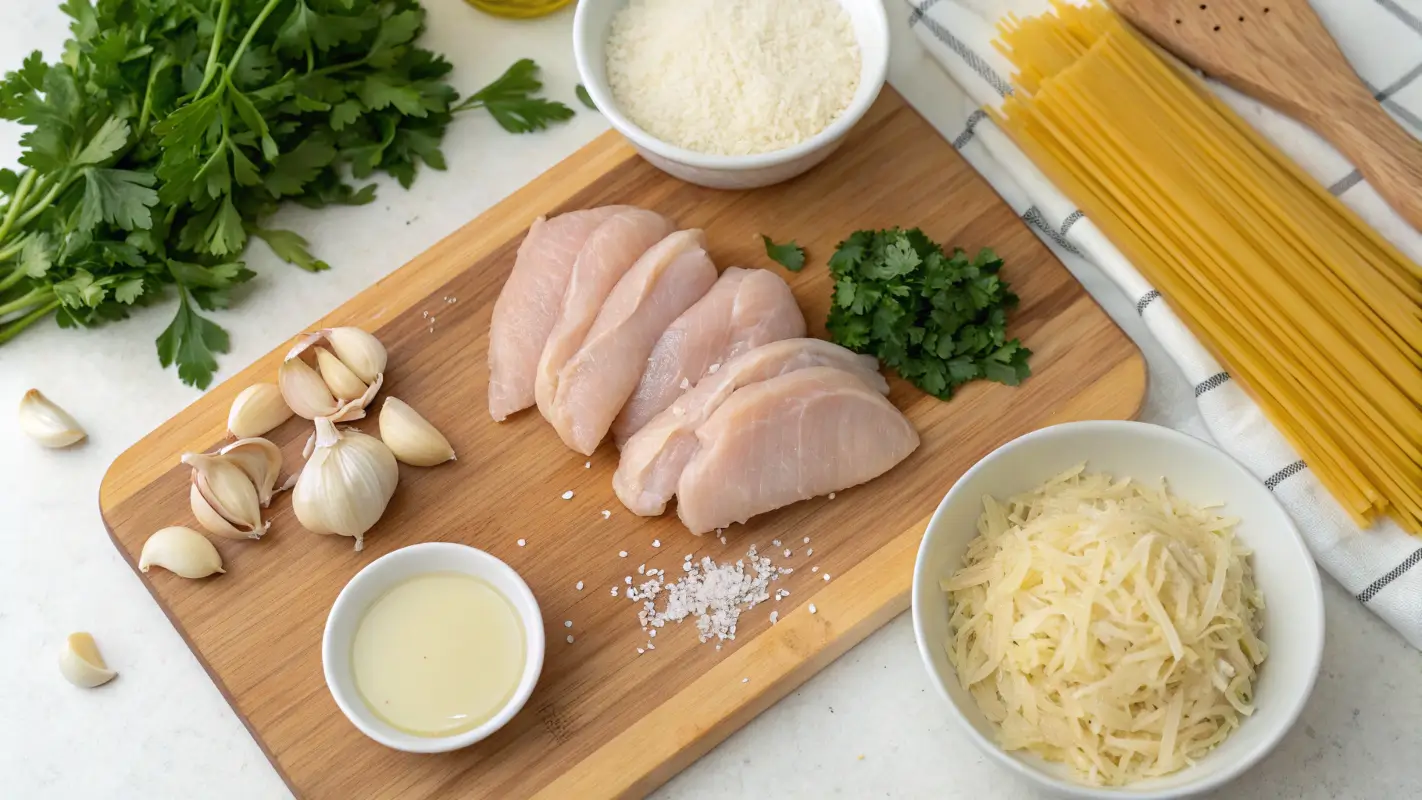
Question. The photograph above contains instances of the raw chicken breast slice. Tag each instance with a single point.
(600, 377)
(653, 459)
(529, 303)
(790, 438)
(744, 310)
(609, 252)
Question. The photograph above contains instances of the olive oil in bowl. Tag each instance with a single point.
(438, 654)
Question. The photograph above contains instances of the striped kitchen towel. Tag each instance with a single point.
(1380, 566)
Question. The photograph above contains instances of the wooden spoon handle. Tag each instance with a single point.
(1384, 152)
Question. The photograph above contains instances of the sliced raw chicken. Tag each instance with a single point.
(790, 438)
(529, 303)
(609, 252)
(600, 377)
(744, 310)
(653, 459)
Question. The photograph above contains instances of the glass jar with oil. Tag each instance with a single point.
(518, 9)
(439, 654)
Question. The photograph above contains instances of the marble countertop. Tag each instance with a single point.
(870, 725)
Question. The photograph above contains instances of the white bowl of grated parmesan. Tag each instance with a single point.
(732, 94)
(1118, 610)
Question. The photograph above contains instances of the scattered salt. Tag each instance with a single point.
(810, 552)
(651, 646)
(621, 553)
(580, 586)
(723, 540)
(788, 554)
(656, 542)
(568, 495)
(567, 623)
(614, 591)
(570, 638)
(745, 680)
(640, 651)
(812, 608)
(587, 465)
(641, 569)
(522, 542)
(826, 577)
(715, 594)
(774, 617)
(831, 495)
(774, 542)
(807, 540)
(652, 633)
(814, 569)
(606, 514)
(627, 580)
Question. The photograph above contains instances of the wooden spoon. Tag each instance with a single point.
(1279, 52)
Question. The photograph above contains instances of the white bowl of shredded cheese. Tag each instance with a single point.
(732, 94)
(1135, 615)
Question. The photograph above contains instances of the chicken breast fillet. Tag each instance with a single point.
(653, 459)
(786, 439)
(744, 310)
(529, 303)
(598, 379)
(608, 254)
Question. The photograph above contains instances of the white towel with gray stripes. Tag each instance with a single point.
(1380, 566)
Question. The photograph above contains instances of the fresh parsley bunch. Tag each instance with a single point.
(170, 130)
(939, 320)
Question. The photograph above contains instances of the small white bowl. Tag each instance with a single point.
(871, 29)
(380, 576)
(1283, 570)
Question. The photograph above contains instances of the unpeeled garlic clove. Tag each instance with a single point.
(223, 497)
(346, 483)
(359, 350)
(81, 664)
(182, 551)
(256, 411)
(411, 437)
(343, 383)
(304, 390)
(260, 460)
(46, 422)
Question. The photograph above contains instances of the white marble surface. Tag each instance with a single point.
(868, 726)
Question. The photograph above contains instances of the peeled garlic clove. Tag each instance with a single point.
(260, 460)
(346, 484)
(229, 493)
(256, 411)
(182, 551)
(360, 351)
(339, 379)
(46, 422)
(81, 664)
(304, 390)
(355, 409)
(411, 437)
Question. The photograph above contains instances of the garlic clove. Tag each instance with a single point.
(339, 379)
(46, 422)
(304, 390)
(210, 520)
(81, 664)
(411, 437)
(229, 493)
(359, 350)
(182, 551)
(355, 409)
(256, 411)
(346, 483)
(260, 460)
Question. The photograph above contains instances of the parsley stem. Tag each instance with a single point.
(26, 300)
(252, 31)
(16, 201)
(43, 203)
(9, 253)
(10, 329)
(218, 32)
(154, 70)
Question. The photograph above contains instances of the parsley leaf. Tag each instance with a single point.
(938, 320)
(790, 256)
(511, 101)
(585, 98)
(190, 341)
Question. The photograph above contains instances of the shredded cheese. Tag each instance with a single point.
(1107, 626)
(732, 77)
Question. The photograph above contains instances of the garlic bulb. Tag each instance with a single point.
(346, 484)
(182, 551)
(342, 388)
(411, 437)
(46, 422)
(256, 411)
(223, 497)
(260, 460)
(81, 664)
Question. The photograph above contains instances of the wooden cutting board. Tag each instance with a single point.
(605, 721)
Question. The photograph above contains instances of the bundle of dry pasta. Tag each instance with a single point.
(1313, 312)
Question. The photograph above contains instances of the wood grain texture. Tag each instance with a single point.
(604, 721)
(1278, 51)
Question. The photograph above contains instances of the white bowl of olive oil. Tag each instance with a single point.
(433, 647)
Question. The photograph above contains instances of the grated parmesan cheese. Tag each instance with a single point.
(1106, 625)
(732, 77)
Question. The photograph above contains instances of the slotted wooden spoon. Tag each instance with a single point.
(1279, 52)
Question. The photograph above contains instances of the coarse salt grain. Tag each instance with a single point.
(831, 495)
(606, 514)
(715, 594)
(567, 623)
(814, 569)
(627, 580)
(570, 638)
(580, 586)
(807, 540)
(656, 542)
(813, 609)
(774, 542)
(810, 552)
(788, 554)
(641, 569)
(826, 577)
(745, 680)
(640, 651)
(568, 495)
(587, 465)
(621, 553)
(522, 542)
(774, 617)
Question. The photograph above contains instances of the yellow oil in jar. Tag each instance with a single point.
(518, 9)
(439, 654)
